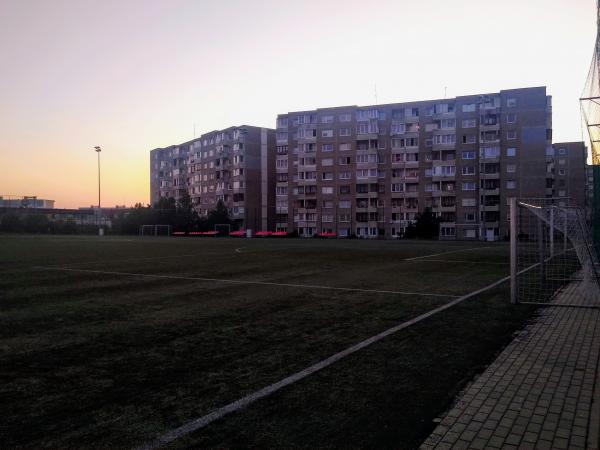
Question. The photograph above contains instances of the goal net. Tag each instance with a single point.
(551, 247)
(155, 230)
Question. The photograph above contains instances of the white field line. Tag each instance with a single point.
(239, 249)
(117, 261)
(203, 421)
(464, 261)
(445, 253)
(223, 280)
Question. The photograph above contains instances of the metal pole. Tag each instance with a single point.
(513, 251)
(551, 231)
(565, 239)
(98, 150)
(540, 237)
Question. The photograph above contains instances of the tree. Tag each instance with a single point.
(427, 225)
(11, 223)
(219, 215)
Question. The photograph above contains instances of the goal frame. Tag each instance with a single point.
(155, 228)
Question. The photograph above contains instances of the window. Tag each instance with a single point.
(344, 160)
(327, 162)
(562, 151)
(469, 139)
(562, 161)
(327, 133)
(511, 184)
(281, 190)
(489, 152)
(444, 139)
(470, 107)
(345, 175)
(469, 202)
(327, 118)
(344, 131)
(397, 187)
(468, 186)
(344, 204)
(327, 190)
(511, 102)
(511, 151)
(344, 189)
(468, 155)
(327, 176)
(469, 217)
(469, 123)
(468, 170)
(397, 128)
(561, 171)
(344, 147)
(511, 118)
(562, 193)
(511, 135)
(511, 168)
(346, 117)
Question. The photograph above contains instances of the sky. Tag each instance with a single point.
(131, 76)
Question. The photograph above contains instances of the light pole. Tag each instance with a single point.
(98, 150)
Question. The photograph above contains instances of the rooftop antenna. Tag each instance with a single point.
(194, 130)
(376, 93)
(445, 91)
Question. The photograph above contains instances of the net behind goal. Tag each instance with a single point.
(551, 247)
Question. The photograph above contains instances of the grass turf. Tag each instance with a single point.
(96, 359)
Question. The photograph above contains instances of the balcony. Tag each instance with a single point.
(366, 136)
(490, 208)
(489, 176)
(494, 127)
(490, 191)
(411, 119)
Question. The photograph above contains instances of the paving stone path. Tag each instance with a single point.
(539, 392)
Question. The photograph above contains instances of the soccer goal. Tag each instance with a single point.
(155, 230)
(551, 248)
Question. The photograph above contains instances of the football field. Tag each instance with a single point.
(118, 341)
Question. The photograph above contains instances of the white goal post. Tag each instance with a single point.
(155, 230)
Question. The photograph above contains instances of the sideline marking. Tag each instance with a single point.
(203, 421)
(445, 253)
(239, 249)
(222, 280)
(465, 261)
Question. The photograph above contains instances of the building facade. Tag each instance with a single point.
(10, 201)
(566, 173)
(370, 170)
(235, 165)
(168, 172)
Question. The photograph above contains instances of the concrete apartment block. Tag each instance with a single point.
(370, 170)
(235, 165)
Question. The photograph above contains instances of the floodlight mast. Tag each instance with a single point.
(97, 149)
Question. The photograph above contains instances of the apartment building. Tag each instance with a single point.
(168, 172)
(370, 170)
(235, 165)
(566, 173)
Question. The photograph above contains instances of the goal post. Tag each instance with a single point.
(155, 230)
(550, 247)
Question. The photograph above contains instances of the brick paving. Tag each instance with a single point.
(538, 393)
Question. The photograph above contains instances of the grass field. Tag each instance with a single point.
(141, 335)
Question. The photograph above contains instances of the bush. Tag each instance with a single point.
(11, 223)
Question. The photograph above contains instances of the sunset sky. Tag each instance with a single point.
(131, 76)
